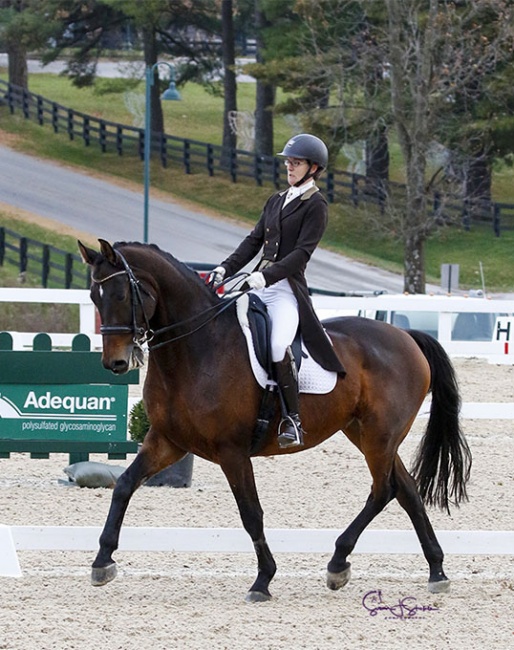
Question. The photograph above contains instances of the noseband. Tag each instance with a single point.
(140, 334)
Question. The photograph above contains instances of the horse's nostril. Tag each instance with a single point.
(119, 366)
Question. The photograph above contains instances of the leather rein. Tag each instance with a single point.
(146, 334)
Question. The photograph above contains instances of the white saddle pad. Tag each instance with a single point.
(312, 377)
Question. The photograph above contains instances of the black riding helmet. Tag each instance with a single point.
(307, 147)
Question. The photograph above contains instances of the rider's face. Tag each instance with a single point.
(296, 169)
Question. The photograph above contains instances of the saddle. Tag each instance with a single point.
(256, 326)
(260, 328)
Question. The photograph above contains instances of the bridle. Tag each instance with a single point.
(142, 335)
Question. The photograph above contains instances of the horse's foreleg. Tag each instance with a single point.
(239, 473)
(410, 500)
(146, 464)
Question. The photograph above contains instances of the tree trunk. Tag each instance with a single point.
(151, 54)
(17, 67)
(377, 155)
(265, 99)
(415, 222)
(478, 184)
(377, 163)
(265, 94)
(414, 263)
(414, 260)
(229, 142)
(410, 91)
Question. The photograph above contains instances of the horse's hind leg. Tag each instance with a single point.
(408, 497)
(380, 462)
(338, 569)
(147, 463)
(239, 473)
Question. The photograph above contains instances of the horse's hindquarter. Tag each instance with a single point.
(387, 374)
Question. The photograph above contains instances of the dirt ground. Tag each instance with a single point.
(167, 601)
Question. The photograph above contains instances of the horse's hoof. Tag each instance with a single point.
(257, 597)
(337, 580)
(102, 575)
(439, 586)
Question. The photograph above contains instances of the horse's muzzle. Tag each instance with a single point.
(118, 366)
(131, 358)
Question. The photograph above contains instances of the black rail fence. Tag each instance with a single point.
(201, 157)
(54, 267)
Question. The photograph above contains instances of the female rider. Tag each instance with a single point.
(289, 230)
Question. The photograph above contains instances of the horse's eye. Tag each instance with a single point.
(96, 292)
(121, 294)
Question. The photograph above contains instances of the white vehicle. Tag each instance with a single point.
(467, 326)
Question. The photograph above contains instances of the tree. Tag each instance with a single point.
(314, 65)
(275, 27)
(425, 69)
(229, 77)
(80, 36)
(21, 27)
(264, 92)
(162, 27)
(439, 55)
(478, 127)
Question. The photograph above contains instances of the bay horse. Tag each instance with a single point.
(201, 397)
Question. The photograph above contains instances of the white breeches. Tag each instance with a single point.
(283, 311)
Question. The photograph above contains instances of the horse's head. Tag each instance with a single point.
(126, 304)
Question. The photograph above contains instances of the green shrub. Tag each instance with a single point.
(138, 422)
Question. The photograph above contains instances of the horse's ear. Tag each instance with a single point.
(88, 254)
(108, 252)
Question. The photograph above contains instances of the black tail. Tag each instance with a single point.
(443, 461)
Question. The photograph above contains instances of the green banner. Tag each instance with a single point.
(64, 412)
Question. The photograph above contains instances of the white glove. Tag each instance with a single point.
(256, 280)
(217, 276)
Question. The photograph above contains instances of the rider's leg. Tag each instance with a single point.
(290, 433)
(283, 311)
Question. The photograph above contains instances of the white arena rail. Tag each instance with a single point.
(327, 306)
(87, 317)
(236, 540)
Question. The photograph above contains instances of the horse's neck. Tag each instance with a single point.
(184, 305)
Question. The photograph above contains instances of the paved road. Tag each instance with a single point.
(114, 69)
(111, 212)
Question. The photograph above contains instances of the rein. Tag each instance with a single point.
(217, 309)
(146, 334)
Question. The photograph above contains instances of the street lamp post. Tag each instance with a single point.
(170, 94)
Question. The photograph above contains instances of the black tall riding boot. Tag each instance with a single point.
(290, 432)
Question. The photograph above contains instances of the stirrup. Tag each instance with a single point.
(292, 434)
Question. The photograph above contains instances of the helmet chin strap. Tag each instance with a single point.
(306, 176)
